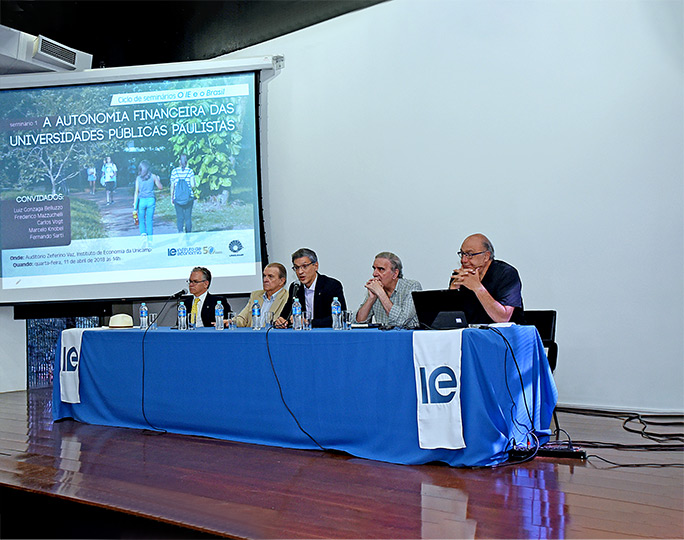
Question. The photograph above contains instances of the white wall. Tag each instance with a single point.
(556, 128)
(12, 352)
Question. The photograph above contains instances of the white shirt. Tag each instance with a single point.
(266, 305)
(309, 295)
(202, 297)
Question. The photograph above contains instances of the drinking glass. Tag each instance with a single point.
(230, 320)
(307, 317)
(347, 319)
(267, 319)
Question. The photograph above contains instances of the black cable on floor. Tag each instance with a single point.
(645, 420)
(282, 397)
(156, 430)
(637, 465)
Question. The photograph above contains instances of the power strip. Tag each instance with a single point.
(575, 453)
(552, 451)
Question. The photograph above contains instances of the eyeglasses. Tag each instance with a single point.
(302, 267)
(195, 281)
(462, 254)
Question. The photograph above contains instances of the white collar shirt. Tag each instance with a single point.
(309, 293)
(266, 306)
(202, 297)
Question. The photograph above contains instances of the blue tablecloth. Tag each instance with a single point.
(352, 391)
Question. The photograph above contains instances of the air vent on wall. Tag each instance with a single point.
(51, 51)
(25, 53)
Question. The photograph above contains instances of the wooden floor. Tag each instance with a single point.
(196, 486)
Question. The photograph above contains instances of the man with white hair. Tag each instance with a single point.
(200, 301)
(388, 300)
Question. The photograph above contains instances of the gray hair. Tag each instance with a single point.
(394, 260)
(282, 272)
(488, 247)
(305, 252)
(206, 274)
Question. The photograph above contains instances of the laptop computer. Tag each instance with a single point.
(441, 309)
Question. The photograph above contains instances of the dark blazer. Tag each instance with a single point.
(327, 288)
(208, 315)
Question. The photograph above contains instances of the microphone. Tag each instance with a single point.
(179, 294)
(174, 296)
(295, 290)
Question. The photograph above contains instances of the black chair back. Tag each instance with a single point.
(545, 322)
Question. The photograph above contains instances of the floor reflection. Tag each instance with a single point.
(445, 513)
(508, 502)
(259, 491)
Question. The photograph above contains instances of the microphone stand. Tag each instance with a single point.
(174, 296)
(295, 294)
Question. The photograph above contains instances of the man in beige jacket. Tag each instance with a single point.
(271, 298)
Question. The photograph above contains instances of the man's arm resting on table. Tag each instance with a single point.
(497, 311)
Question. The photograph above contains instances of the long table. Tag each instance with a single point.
(351, 391)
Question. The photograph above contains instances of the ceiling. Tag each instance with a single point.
(137, 32)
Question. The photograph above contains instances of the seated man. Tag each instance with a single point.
(201, 301)
(315, 291)
(492, 289)
(271, 298)
(388, 300)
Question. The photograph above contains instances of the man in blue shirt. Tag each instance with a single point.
(492, 289)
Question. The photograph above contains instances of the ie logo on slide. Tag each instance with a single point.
(70, 359)
(235, 246)
(439, 387)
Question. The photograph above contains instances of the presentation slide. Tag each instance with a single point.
(116, 190)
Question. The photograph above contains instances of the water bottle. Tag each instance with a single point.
(256, 315)
(144, 312)
(336, 314)
(218, 312)
(296, 314)
(182, 317)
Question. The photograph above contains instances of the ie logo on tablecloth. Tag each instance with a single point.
(440, 386)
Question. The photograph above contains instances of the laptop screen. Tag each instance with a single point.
(441, 309)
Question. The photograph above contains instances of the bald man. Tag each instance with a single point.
(492, 289)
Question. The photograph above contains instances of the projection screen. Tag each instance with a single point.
(114, 183)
